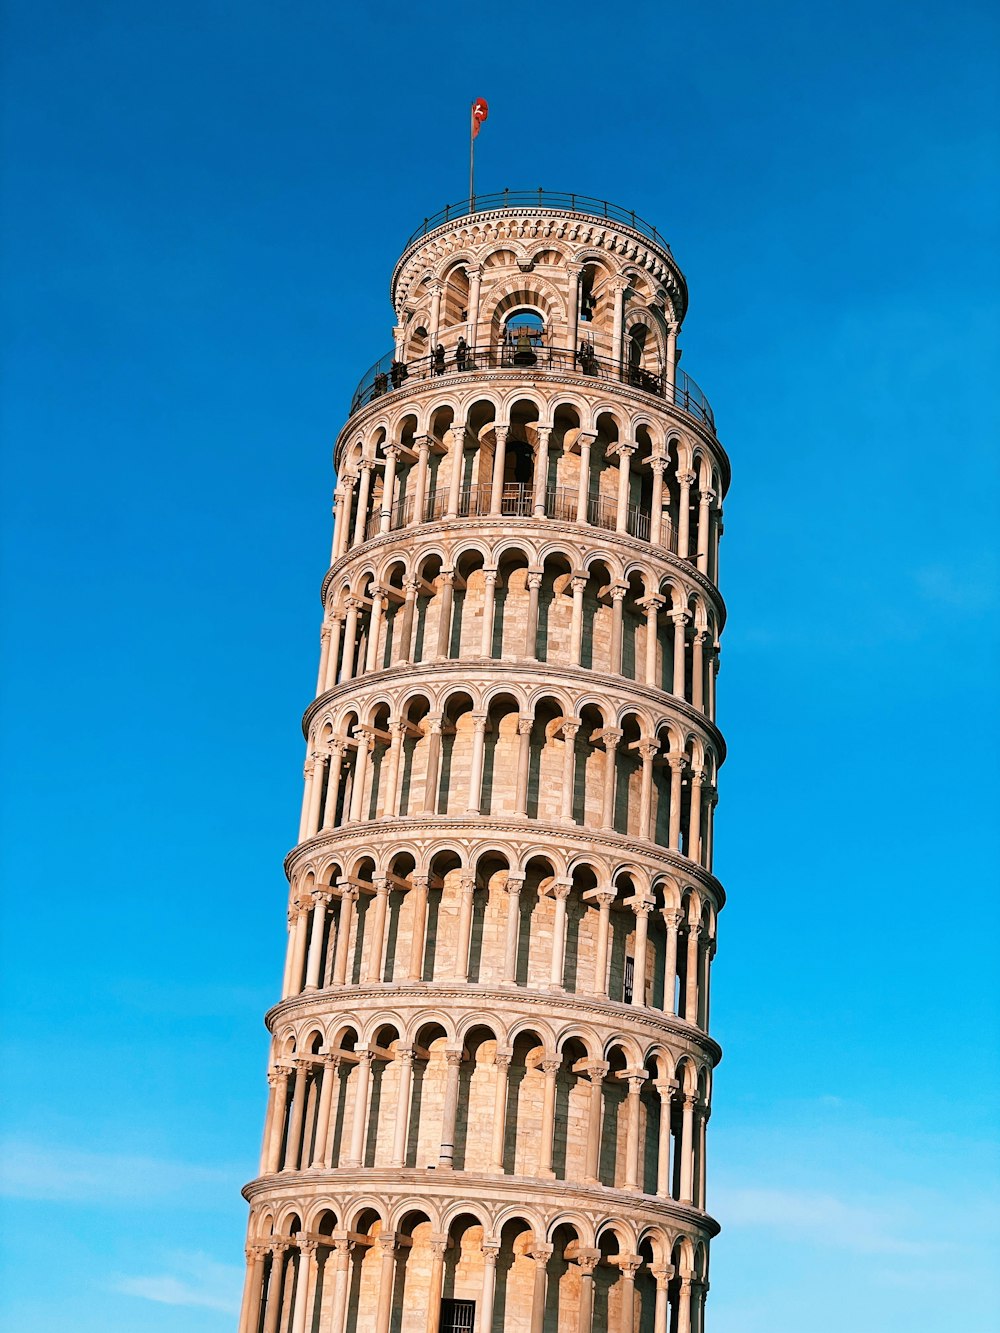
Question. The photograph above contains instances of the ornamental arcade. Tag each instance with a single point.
(490, 1073)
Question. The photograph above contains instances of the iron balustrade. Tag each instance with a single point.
(388, 374)
(517, 500)
(547, 200)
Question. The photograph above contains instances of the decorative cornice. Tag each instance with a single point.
(469, 668)
(609, 1014)
(531, 831)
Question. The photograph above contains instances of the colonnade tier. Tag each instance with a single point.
(420, 465)
(490, 1072)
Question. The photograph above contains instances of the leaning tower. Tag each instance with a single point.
(490, 1067)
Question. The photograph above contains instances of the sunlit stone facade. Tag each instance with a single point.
(490, 1069)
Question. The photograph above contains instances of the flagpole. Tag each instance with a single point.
(472, 160)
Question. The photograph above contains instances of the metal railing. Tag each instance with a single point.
(548, 200)
(388, 374)
(517, 500)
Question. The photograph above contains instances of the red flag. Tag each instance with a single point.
(479, 113)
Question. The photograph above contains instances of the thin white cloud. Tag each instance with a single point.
(197, 1280)
(46, 1171)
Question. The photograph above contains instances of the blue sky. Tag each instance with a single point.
(203, 204)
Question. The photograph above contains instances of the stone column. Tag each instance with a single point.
(297, 950)
(680, 619)
(475, 284)
(401, 1128)
(502, 1062)
(657, 467)
(360, 773)
(293, 1144)
(661, 1312)
(691, 987)
(420, 482)
(698, 670)
(652, 606)
(569, 730)
(489, 609)
(541, 471)
(350, 640)
(595, 1073)
(625, 451)
(579, 585)
(419, 926)
(320, 901)
(586, 1261)
(476, 766)
(573, 272)
(585, 440)
(665, 1088)
(635, 1079)
(672, 331)
(703, 1112)
(531, 628)
(550, 1068)
(305, 1286)
(315, 793)
(342, 533)
(333, 655)
(333, 782)
(705, 499)
(687, 1150)
(684, 1306)
(677, 764)
(374, 628)
(391, 805)
(456, 456)
(642, 908)
(321, 1153)
(684, 480)
(307, 781)
(672, 919)
(612, 736)
(447, 580)
(446, 1156)
(628, 1266)
(499, 465)
(435, 321)
(433, 763)
(403, 649)
(342, 1247)
(619, 286)
(386, 1281)
(324, 655)
(491, 1251)
(388, 487)
(359, 1124)
(513, 888)
(694, 821)
(541, 1255)
(341, 516)
(278, 1083)
(524, 728)
(618, 591)
(560, 892)
(467, 889)
(376, 948)
(648, 750)
(348, 897)
(604, 898)
(361, 512)
(276, 1286)
(439, 1245)
(253, 1287)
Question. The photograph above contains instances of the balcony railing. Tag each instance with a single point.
(549, 200)
(517, 500)
(388, 374)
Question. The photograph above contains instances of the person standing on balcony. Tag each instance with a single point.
(439, 360)
(461, 352)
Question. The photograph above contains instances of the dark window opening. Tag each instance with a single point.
(457, 1316)
(629, 980)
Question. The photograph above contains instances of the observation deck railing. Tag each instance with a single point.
(546, 200)
(517, 500)
(388, 374)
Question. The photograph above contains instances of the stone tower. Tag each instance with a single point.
(490, 1070)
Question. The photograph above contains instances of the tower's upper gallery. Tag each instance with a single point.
(538, 282)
